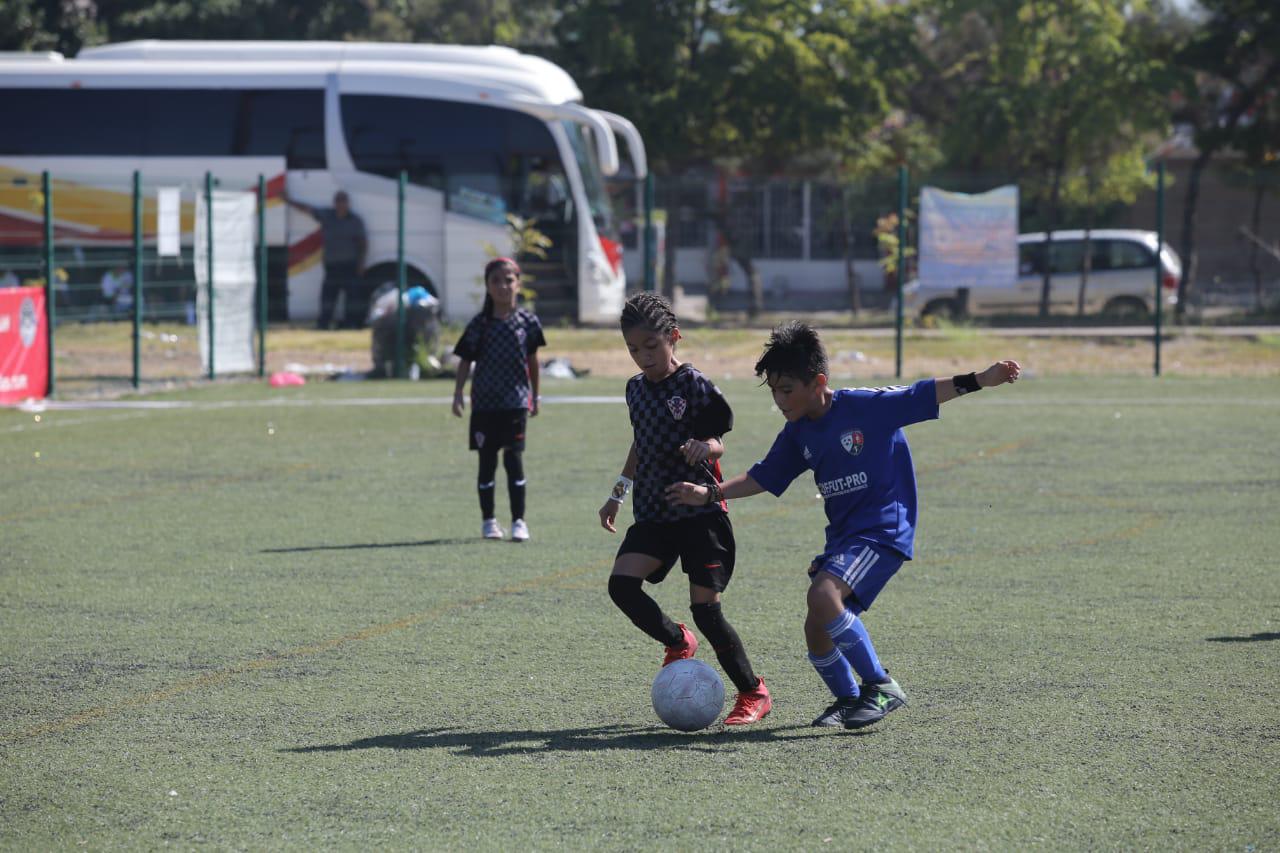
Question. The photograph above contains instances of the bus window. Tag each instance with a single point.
(271, 122)
(165, 123)
(489, 161)
(69, 122)
(592, 178)
(191, 122)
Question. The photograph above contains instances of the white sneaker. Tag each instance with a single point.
(519, 531)
(491, 529)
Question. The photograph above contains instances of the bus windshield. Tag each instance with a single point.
(592, 178)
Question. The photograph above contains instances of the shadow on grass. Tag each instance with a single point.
(496, 744)
(422, 543)
(1259, 637)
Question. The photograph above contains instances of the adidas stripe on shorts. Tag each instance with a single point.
(865, 566)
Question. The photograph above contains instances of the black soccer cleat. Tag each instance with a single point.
(836, 713)
(873, 705)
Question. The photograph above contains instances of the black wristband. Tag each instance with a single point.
(966, 382)
(714, 495)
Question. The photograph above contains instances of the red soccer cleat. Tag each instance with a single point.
(684, 651)
(751, 706)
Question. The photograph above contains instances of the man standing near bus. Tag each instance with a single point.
(345, 245)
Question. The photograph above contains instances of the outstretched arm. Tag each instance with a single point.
(305, 208)
(997, 374)
(691, 494)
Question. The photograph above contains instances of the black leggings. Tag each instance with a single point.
(513, 461)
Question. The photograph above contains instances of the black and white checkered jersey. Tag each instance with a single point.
(664, 415)
(500, 349)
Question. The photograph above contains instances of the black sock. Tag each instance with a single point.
(729, 650)
(513, 461)
(642, 610)
(484, 482)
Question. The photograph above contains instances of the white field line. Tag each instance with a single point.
(139, 408)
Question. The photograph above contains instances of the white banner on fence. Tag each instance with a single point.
(168, 221)
(969, 240)
(234, 280)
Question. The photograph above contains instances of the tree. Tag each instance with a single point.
(1232, 67)
(48, 25)
(1258, 169)
(753, 86)
(463, 21)
(234, 19)
(1044, 91)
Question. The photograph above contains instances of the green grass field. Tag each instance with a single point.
(265, 620)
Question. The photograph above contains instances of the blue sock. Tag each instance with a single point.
(851, 638)
(837, 673)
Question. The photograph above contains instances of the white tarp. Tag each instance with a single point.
(168, 221)
(234, 280)
(969, 240)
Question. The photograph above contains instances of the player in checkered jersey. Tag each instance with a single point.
(678, 418)
(852, 440)
(502, 342)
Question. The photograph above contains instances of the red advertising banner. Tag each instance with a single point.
(24, 344)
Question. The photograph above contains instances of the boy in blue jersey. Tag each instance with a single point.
(852, 441)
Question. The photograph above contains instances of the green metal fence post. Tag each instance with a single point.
(1159, 252)
(208, 201)
(137, 278)
(650, 238)
(902, 265)
(262, 276)
(51, 290)
(400, 274)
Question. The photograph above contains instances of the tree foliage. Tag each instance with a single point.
(1069, 98)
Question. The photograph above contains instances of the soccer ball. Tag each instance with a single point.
(688, 695)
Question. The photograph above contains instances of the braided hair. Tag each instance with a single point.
(650, 311)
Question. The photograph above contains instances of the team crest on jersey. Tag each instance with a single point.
(807, 454)
(677, 407)
(852, 441)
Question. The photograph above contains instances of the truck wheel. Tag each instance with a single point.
(1127, 308)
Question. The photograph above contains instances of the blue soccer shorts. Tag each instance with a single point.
(864, 566)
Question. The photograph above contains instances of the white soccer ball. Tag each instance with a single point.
(688, 695)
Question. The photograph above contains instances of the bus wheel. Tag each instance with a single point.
(383, 277)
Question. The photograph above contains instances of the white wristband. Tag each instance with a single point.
(621, 488)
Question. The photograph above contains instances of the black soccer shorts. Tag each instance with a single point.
(498, 428)
(703, 544)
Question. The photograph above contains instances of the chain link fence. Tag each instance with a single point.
(818, 244)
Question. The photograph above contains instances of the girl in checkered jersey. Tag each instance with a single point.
(678, 417)
(502, 343)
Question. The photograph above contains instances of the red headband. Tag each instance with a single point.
(496, 262)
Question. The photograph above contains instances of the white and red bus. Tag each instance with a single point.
(481, 132)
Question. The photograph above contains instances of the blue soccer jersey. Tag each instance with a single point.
(860, 462)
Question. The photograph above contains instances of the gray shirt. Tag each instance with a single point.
(344, 237)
